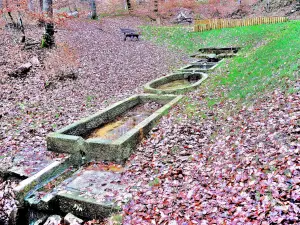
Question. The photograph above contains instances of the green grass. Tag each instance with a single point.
(269, 57)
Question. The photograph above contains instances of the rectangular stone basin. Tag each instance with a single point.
(216, 53)
(92, 192)
(113, 133)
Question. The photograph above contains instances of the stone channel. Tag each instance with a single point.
(85, 178)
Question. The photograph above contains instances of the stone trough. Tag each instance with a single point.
(176, 83)
(92, 192)
(29, 185)
(112, 134)
(216, 53)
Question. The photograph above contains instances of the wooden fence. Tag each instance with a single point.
(213, 24)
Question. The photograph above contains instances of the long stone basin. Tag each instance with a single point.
(219, 50)
(176, 83)
(217, 53)
(113, 133)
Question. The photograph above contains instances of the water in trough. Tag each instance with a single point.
(125, 122)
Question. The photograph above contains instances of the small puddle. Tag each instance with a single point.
(125, 122)
(176, 84)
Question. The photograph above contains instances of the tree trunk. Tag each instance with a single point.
(129, 5)
(41, 5)
(47, 8)
(155, 10)
(155, 6)
(21, 27)
(48, 37)
(30, 5)
(93, 10)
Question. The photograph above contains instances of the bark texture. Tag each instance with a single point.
(48, 37)
(93, 9)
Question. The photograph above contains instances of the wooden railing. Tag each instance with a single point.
(213, 24)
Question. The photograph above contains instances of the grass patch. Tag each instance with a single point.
(269, 57)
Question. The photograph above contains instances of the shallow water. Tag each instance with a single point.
(176, 84)
(121, 125)
(116, 129)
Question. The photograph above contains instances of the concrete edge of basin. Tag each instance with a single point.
(222, 49)
(150, 89)
(84, 207)
(118, 150)
(25, 186)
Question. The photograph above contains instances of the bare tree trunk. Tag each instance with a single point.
(21, 27)
(129, 6)
(155, 10)
(93, 10)
(47, 8)
(48, 37)
(30, 5)
(12, 19)
(41, 5)
(155, 6)
(268, 6)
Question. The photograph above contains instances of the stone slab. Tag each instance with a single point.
(93, 193)
(26, 163)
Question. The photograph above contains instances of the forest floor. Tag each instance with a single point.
(92, 68)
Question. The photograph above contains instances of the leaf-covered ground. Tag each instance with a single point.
(239, 168)
(228, 153)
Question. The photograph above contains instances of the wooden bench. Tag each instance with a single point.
(130, 33)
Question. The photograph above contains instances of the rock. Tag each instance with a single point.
(181, 15)
(40, 221)
(21, 71)
(173, 222)
(155, 129)
(67, 74)
(73, 14)
(35, 61)
(53, 220)
(184, 153)
(70, 219)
